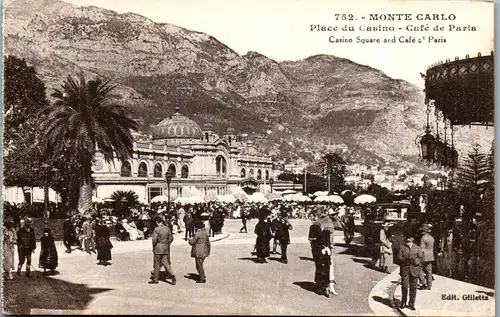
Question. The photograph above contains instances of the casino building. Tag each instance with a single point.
(198, 159)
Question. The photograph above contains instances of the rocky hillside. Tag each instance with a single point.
(308, 105)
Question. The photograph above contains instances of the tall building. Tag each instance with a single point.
(195, 157)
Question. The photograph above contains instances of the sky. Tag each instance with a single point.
(281, 29)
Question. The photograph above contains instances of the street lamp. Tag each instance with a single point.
(271, 182)
(168, 178)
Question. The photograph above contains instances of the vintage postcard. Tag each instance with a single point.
(275, 157)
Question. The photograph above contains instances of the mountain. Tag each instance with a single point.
(309, 105)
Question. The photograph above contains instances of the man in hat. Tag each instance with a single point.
(427, 246)
(282, 229)
(68, 234)
(409, 258)
(162, 238)
(26, 244)
(200, 249)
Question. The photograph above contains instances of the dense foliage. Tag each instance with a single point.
(82, 119)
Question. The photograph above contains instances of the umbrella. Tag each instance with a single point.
(296, 197)
(97, 200)
(287, 192)
(195, 200)
(204, 216)
(332, 199)
(226, 198)
(257, 197)
(364, 199)
(158, 199)
(242, 197)
(320, 193)
(210, 198)
(273, 196)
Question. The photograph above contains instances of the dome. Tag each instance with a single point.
(231, 131)
(177, 126)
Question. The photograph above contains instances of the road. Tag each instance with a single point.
(236, 284)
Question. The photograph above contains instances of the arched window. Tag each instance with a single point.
(143, 170)
(185, 171)
(243, 173)
(221, 166)
(259, 174)
(126, 170)
(267, 175)
(172, 170)
(250, 174)
(158, 172)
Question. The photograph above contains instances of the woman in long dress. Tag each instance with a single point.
(103, 244)
(263, 232)
(9, 239)
(131, 231)
(48, 255)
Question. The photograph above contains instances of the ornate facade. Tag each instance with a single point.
(195, 157)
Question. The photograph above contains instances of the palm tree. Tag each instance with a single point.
(123, 201)
(83, 119)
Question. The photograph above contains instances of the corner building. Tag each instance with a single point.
(198, 159)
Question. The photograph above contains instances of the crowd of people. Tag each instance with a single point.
(409, 244)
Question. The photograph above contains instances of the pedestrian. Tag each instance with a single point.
(427, 246)
(409, 257)
(188, 223)
(385, 248)
(397, 240)
(48, 259)
(275, 223)
(263, 232)
(9, 239)
(103, 244)
(200, 249)
(282, 233)
(161, 238)
(69, 235)
(87, 235)
(26, 244)
(244, 218)
(449, 251)
(322, 236)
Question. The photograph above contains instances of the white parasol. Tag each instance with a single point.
(257, 197)
(321, 193)
(331, 199)
(364, 199)
(159, 199)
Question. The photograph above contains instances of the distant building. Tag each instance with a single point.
(195, 157)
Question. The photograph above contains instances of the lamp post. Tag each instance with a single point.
(271, 182)
(168, 178)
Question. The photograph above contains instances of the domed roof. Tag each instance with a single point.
(231, 130)
(177, 126)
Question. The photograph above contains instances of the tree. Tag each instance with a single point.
(472, 180)
(24, 97)
(82, 119)
(334, 168)
(123, 200)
